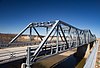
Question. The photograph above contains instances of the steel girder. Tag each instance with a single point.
(67, 36)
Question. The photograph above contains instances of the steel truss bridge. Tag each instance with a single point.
(59, 37)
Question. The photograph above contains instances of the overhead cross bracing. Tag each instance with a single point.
(60, 36)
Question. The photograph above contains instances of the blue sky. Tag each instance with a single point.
(16, 14)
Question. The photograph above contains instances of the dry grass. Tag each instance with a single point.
(98, 56)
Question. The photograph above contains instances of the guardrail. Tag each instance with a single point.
(91, 60)
(9, 55)
(45, 52)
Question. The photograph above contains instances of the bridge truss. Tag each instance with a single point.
(59, 37)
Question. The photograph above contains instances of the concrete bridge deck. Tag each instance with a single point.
(12, 54)
(6, 56)
(20, 52)
(48, 62)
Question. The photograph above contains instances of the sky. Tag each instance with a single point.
(16, 14)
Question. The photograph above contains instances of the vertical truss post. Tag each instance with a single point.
(46, 41)
(28, 62)
(81, 40)
(51, 40)
(30, 33)
(81, 37)
(88, 36)
(78, 38)
(46, 30)
(71, 41)
(84, 37)
(57, 39)
(70, 37)
(51, 49)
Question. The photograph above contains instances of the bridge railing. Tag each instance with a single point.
(91, 60)
(7, 56)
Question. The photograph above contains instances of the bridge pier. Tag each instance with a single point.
(91, 44)
(80, 52)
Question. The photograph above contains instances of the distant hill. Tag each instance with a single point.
(6, 38)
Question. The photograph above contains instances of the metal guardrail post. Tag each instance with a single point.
(23, 65)
(28, 57)
(51, 49)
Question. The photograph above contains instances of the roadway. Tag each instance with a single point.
(13, 53)
(67, 58)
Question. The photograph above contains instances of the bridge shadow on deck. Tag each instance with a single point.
(65, 61)
(69, 62)
(72, 60)
(59, 61)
